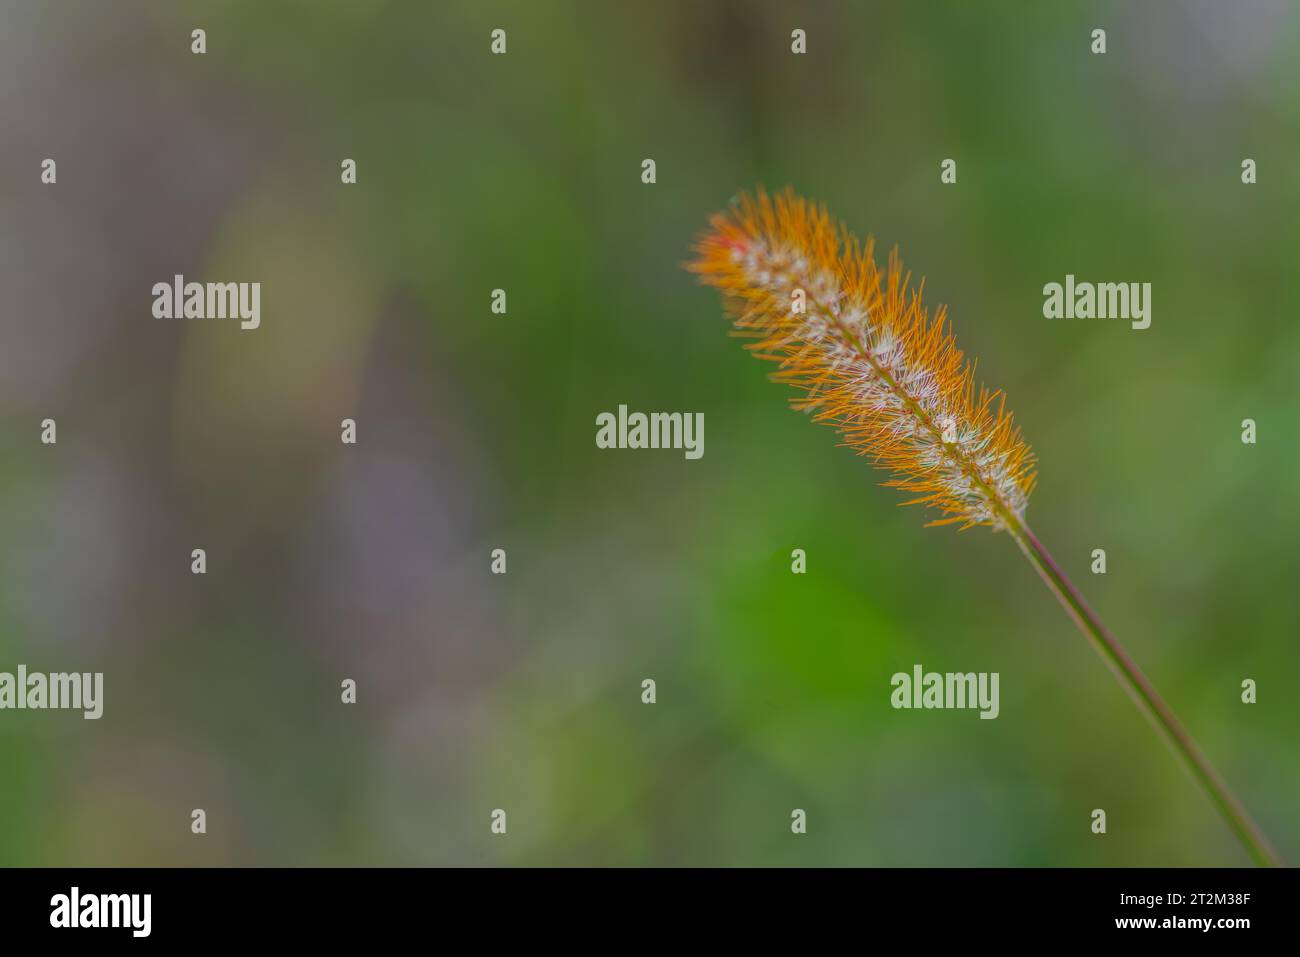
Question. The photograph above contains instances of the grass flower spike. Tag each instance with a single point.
(867, 358)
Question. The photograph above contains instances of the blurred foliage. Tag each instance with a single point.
(476, 431)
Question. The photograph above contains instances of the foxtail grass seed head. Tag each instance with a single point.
(867, 357)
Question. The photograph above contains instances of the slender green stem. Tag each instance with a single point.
(1146, 696)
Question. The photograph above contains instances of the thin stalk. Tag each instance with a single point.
(1146, 696)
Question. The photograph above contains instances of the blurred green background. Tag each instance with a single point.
(476, 431)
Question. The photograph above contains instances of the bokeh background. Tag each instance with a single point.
(476, 431)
